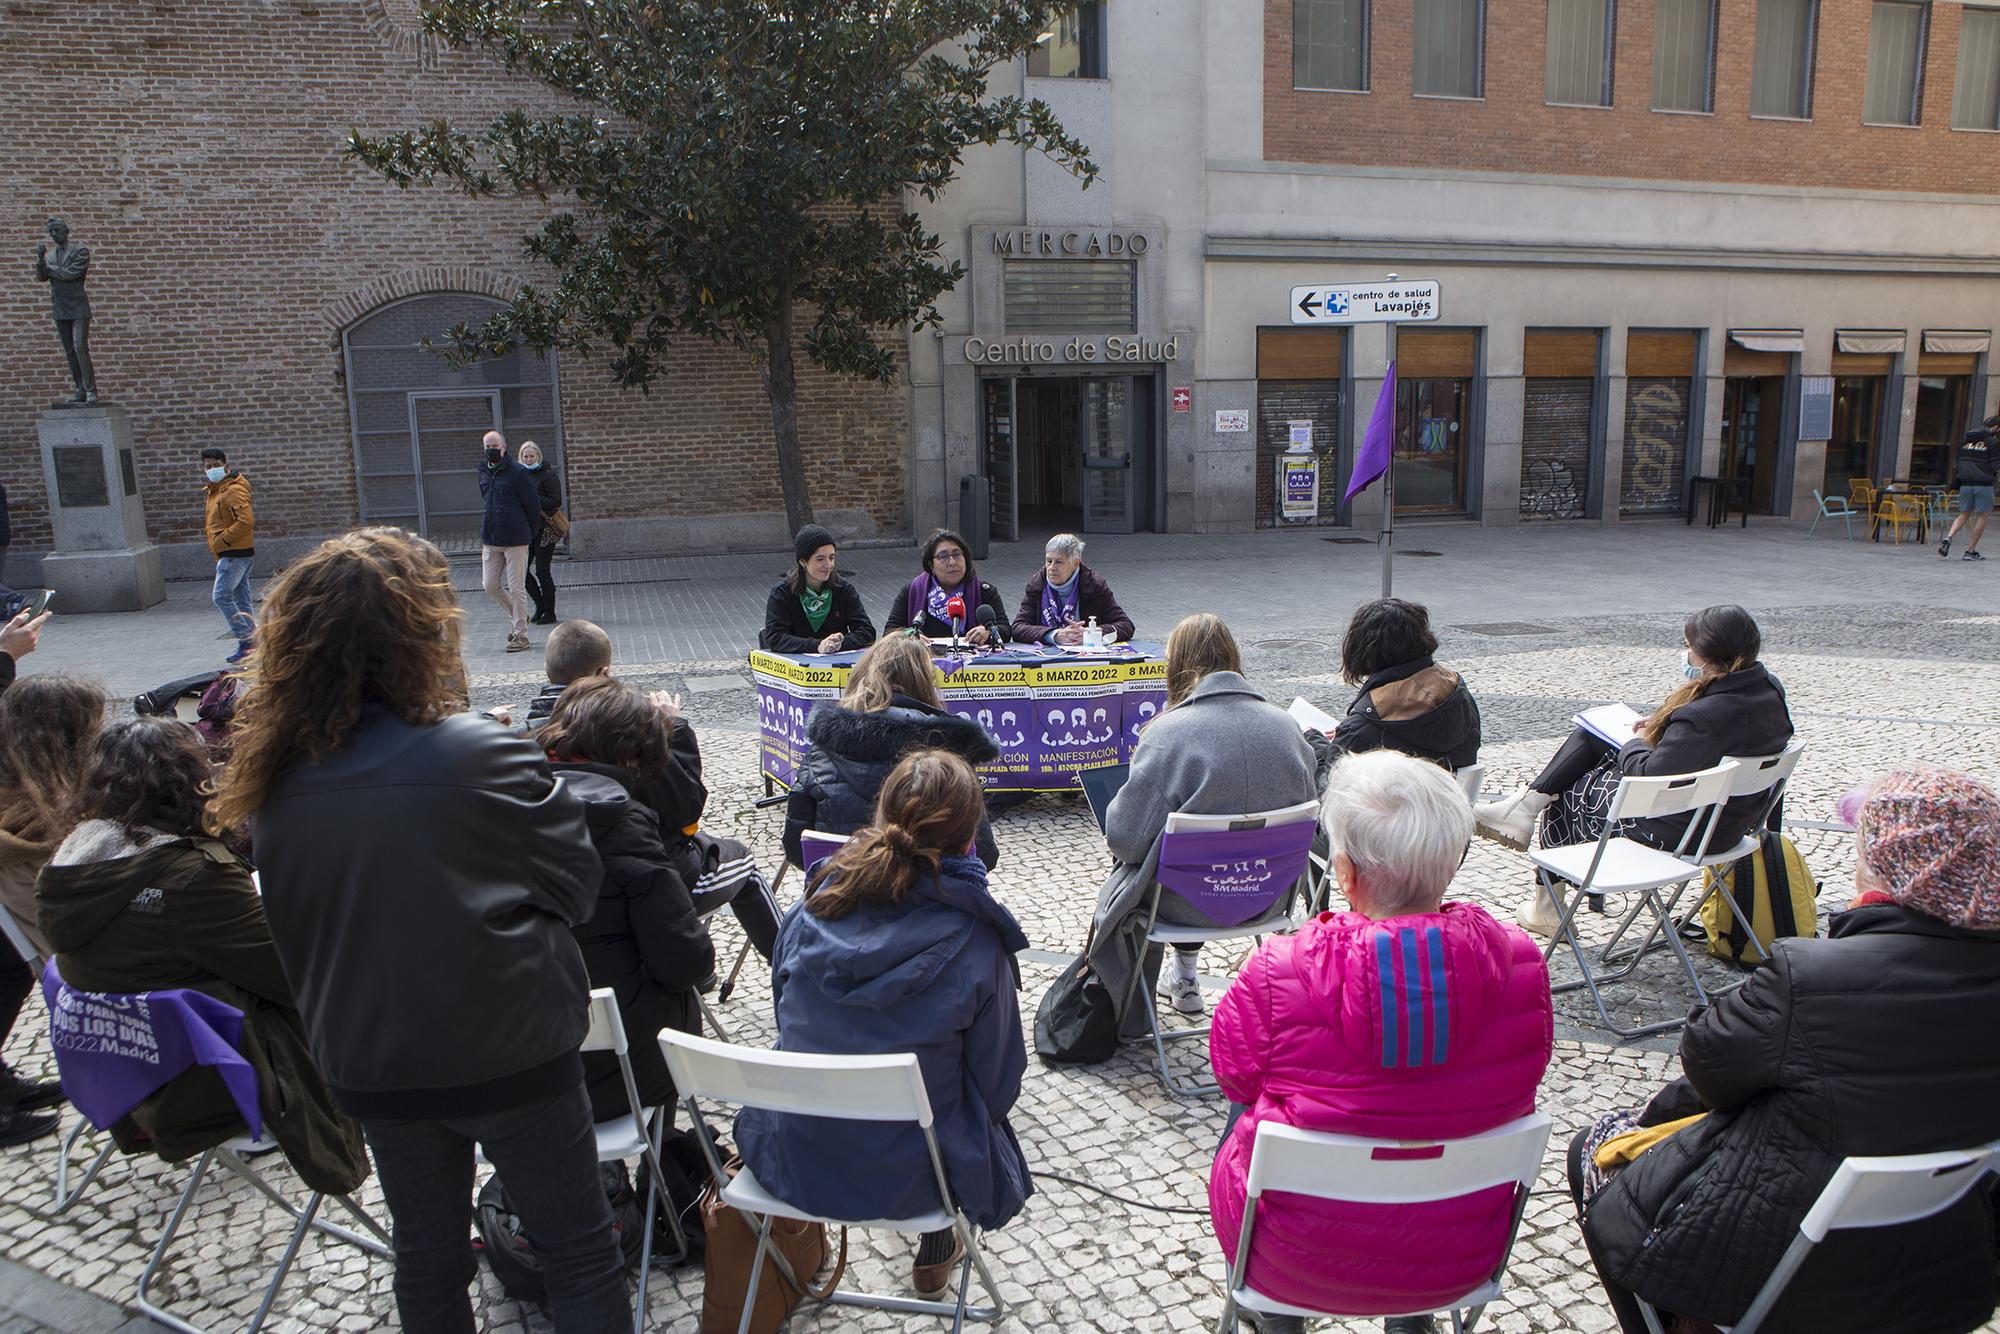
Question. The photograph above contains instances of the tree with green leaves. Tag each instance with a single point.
(735, 170)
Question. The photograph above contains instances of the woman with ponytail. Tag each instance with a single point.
(900, 947)
(1726, 704)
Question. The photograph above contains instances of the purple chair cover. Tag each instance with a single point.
(1232, 876)
(816, 848)
(115, 1051)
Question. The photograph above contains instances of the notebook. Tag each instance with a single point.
(1610, 723)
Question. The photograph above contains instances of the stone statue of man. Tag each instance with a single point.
(63, 269)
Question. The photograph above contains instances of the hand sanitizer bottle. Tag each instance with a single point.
(1093, 637)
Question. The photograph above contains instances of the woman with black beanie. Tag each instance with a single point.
(812, 609)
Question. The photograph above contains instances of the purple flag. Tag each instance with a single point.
(1373, 459)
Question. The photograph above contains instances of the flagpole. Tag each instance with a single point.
(1388, 541)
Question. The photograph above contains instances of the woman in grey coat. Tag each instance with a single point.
(1219, 749)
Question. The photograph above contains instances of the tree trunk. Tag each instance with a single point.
(782, 387)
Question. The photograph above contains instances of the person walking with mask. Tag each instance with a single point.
(506, 529)
(231, 530)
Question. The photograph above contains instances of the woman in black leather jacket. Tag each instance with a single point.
(422, 871)
(891, 707)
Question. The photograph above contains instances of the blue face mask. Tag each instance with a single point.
(1688, 669)
(532, 467)
(216, 474)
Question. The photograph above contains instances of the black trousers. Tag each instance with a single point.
(1623, 1304)
(16, 981)
(1579, 753)
(541, 582)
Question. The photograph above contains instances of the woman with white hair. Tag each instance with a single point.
(541, 551)
(1407, 1017)
(1064, 598)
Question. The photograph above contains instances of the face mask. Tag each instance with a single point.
(1688, 669)
(532, 467)
(494, 455)
(216, 474)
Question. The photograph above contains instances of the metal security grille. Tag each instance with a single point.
(1656, 441)
(1555, 448)
(417, 422)
(1279, 404)
(1071, 295)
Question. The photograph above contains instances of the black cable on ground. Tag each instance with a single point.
(1122, 1199)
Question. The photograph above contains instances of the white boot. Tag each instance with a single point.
(1537, 916)
(1510, 820)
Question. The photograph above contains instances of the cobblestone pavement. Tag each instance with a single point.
(1874, 681)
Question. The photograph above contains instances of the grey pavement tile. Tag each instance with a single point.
(1900, 662)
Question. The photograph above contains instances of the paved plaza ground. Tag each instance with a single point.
(1889, 654)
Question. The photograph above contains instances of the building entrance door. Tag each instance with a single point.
(1068, 452)
(446, 426)
(1752, 410)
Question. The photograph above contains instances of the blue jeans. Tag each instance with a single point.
(547, 1155)
(232, 594)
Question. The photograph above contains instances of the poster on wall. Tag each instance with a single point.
(1816, 407)
(1301, 436)
(1298, 487)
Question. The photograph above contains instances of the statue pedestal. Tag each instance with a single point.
(103, 560)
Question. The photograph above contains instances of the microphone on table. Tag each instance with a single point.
(986, 618)
(954, 607)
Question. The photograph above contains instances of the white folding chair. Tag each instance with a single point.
(637, 1134)
(1470, 780)
(1373, 1171)
(1166, 934)
(1864, 1192)
(853, 1088)
(230, 1155)
(1618, 865)
(1762, 775)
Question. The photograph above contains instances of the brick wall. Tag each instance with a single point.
(194, 148)
(1511, 129)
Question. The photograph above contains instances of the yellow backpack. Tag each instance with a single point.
(1777, 888)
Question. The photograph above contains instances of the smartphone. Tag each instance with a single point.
(37, 603)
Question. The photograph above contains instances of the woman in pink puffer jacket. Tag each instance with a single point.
(1406, 1018)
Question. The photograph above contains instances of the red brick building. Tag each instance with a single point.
(253, 289)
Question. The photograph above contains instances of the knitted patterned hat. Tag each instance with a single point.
(1934, 839)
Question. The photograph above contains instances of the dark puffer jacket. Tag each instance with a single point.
(1420, 709)
(644, 941)
(1740, 714)
(852, 754)
(1874, 1041)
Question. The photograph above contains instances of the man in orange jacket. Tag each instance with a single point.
(231, 531)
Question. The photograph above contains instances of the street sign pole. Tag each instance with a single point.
(1388, 542)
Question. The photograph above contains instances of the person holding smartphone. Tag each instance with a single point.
(20, 635)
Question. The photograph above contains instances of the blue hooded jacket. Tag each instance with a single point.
(933, 974)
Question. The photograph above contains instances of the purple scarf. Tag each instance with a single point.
(924, 596)
(1056, 611)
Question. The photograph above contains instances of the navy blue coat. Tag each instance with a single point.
(513, 505)
(935, 975)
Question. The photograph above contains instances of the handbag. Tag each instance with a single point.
(1077, 1021)
(729, 1242)
(555, 525)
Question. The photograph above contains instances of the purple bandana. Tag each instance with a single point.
(925, 596)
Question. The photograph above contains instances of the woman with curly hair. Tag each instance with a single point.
(47, 727)
(422, 872)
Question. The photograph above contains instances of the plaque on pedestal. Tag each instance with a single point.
(103, 560)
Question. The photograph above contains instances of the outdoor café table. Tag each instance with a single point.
(1902, 491)
(1053, 711)
(1721, 491)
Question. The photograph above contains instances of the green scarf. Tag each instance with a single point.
(817, 605)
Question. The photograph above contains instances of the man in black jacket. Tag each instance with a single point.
(512, 515)
(1978, 467)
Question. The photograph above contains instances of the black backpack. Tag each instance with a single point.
(510, 1254)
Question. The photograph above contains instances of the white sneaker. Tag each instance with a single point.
(1183, 989)
(1537, 916)
(1510, 820)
